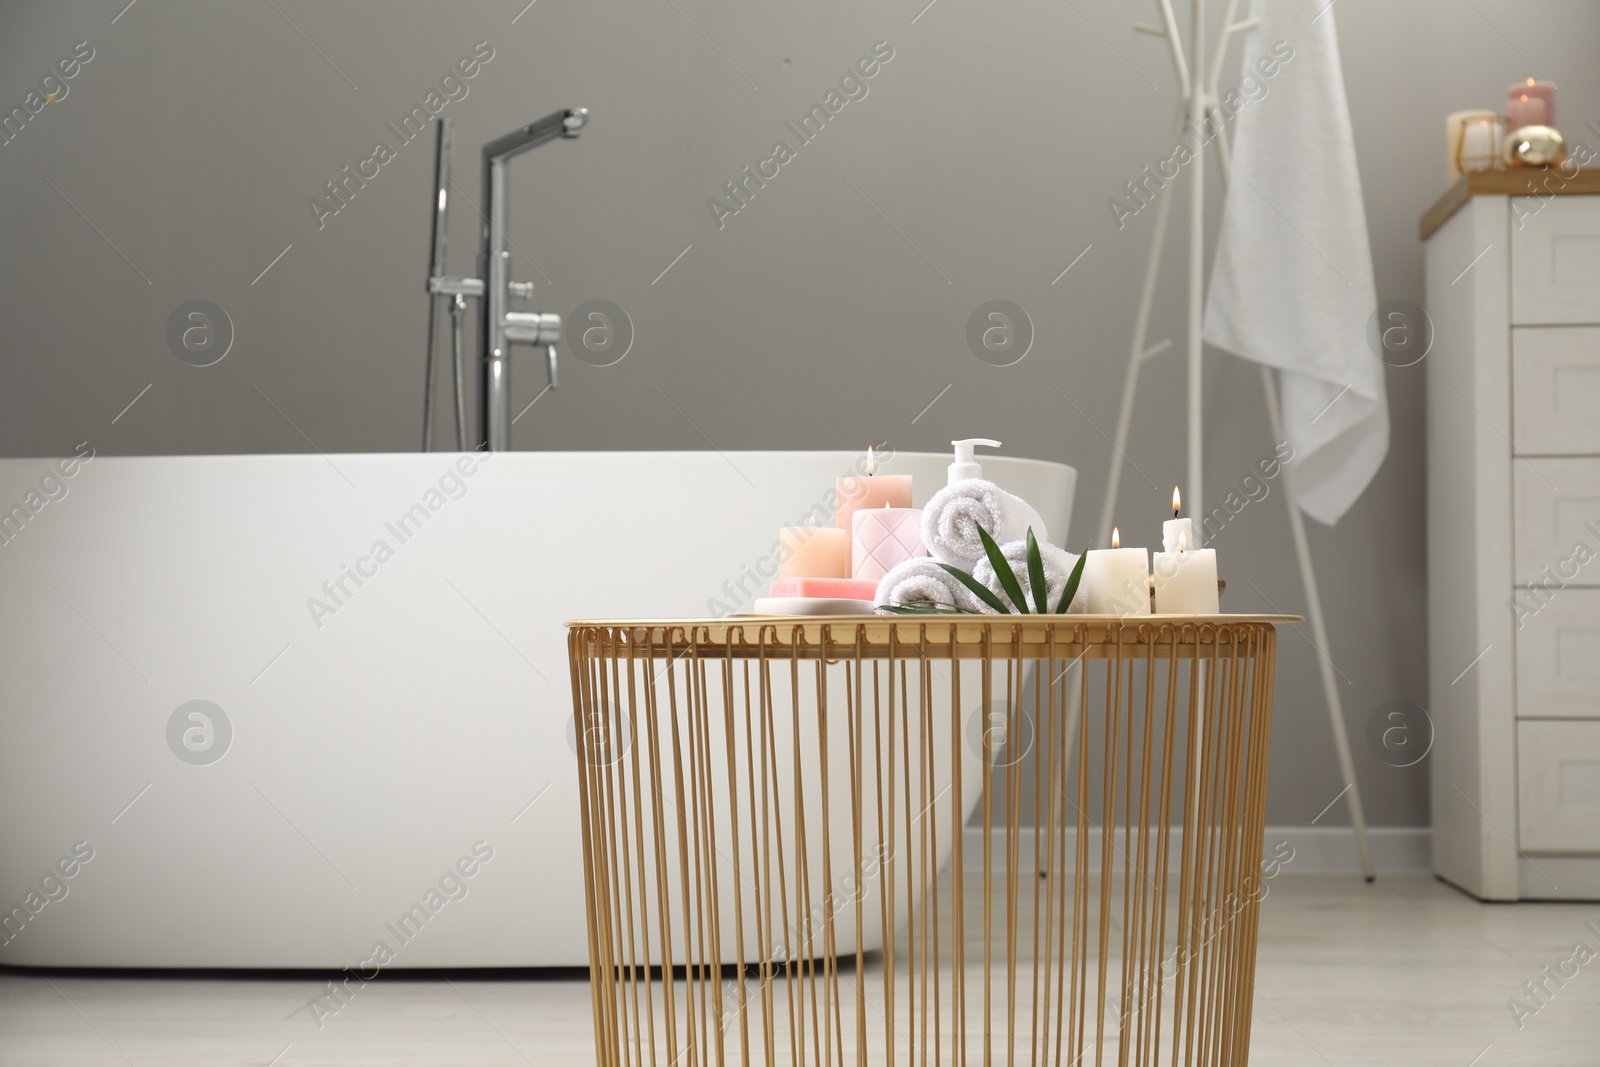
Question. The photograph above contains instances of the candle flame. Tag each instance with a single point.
(1177, 502)
(872, 461)
(1116, 537)
(1183, 541)
(1530, 81)
(1524, 98)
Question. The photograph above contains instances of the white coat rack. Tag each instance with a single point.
(1199, 73)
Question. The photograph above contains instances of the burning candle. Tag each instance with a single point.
(872, 491)
(1531, 103)
(882, 537)
(1175, 527)
(1186, 577)
(1116, 580)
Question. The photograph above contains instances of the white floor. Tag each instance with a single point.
(1407, 972)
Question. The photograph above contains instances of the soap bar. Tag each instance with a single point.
(829, 588)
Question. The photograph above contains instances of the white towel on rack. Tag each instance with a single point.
(1292, 283)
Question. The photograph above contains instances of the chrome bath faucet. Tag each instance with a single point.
(499, 328)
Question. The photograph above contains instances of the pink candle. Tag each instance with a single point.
(883, 537)
(1531, 103)
(874, 491)
(870, 491)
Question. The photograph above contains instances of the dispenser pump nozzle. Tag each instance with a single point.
(965, 465)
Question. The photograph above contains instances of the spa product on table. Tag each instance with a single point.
(835, 570)
(1116, 580)
(826, 588)
(882, 537)
(968, 502)
(925, 581)
(813, 552)
(1056, 563)
(871, 490)
(1186, 577)
(976, 549)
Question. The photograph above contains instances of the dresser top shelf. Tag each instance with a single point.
(1513, 181)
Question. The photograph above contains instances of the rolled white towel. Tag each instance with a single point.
(950, 521)
(924, 579)
(1058, 564)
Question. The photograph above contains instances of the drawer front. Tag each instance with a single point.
(1558, 655)
(1555, 390)
(1555, 260)
(1558, 786)
(1556, 521)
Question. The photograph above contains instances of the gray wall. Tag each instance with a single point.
(992, 140)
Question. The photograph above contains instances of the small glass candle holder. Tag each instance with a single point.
(1479, 144)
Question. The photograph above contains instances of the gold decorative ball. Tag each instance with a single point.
(1535, 146)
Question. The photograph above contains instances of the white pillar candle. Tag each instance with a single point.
(1116, 581)
(1177, 534)
(1186, 576)
(1186, 582)
(882, 537)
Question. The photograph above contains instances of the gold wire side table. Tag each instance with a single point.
(923, 840)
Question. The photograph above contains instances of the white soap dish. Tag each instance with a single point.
(810, 605)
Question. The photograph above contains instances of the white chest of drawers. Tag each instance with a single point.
(1514, 546)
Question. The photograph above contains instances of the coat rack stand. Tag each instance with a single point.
(1199, 73)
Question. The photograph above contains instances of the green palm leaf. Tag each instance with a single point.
(1002, 571)
(926, 607)
(1041, 595)
(1071, 590)
(977, 588)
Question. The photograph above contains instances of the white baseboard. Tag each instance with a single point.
(1316, 849)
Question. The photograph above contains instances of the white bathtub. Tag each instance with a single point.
(387, 735)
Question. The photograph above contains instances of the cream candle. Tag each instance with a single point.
(882, 537)
(871, 490)
(1116, 580)
(813, 552)
(1186, 579)
(1176, 529)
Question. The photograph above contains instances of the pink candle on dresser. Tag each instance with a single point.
(882, 537)
(1531, 103)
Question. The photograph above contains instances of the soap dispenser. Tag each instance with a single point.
(966, 465)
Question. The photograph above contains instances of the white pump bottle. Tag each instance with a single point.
(966, 465)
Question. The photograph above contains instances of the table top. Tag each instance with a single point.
(877, 637)
(1512, 181)
(917, 620)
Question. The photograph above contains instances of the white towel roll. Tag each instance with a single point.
(923, 579)
(950, 521)
(1058, 564)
